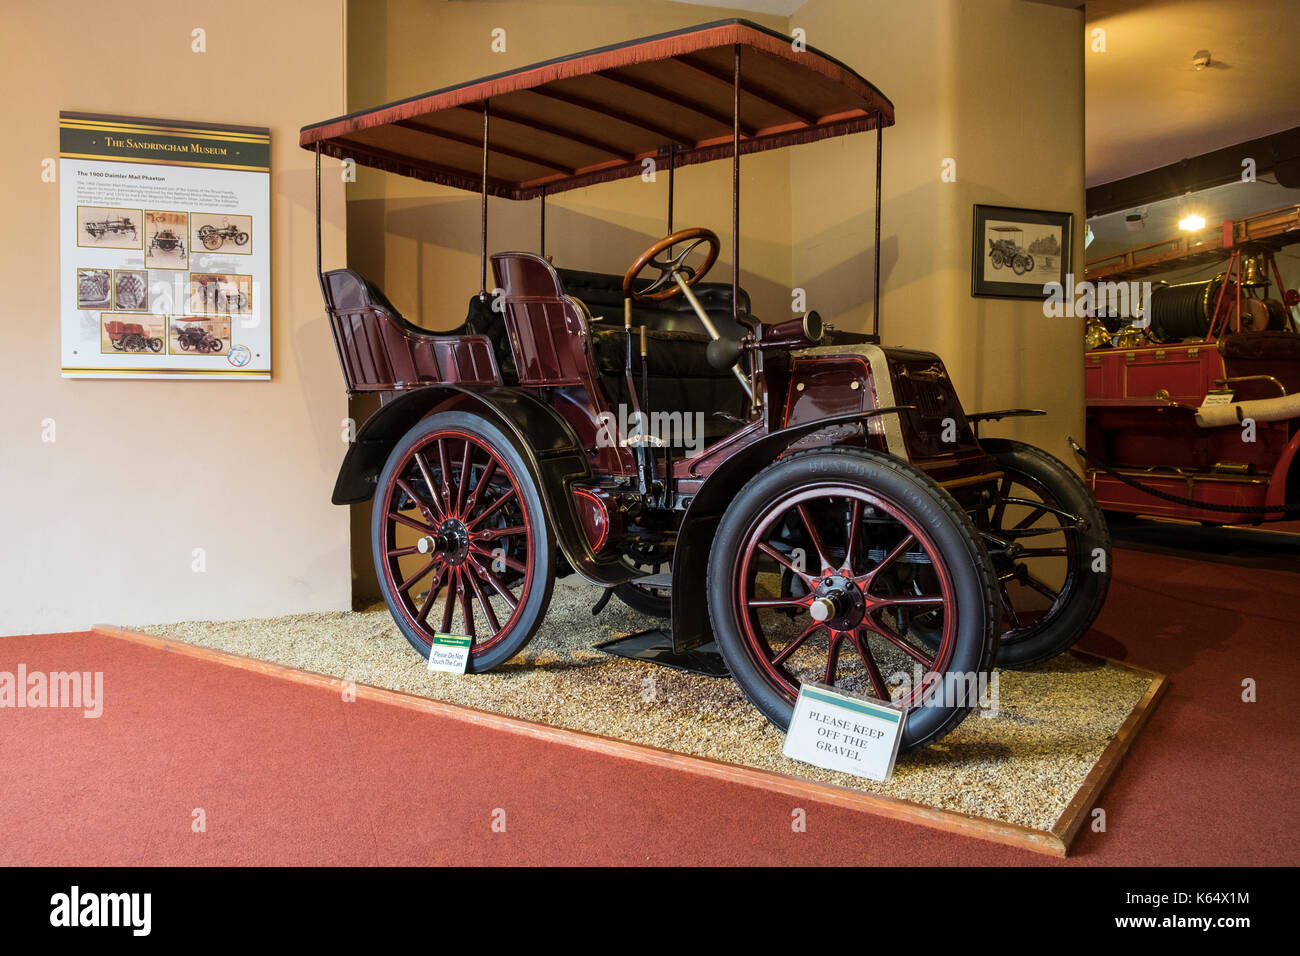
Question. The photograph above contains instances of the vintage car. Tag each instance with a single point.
(840, 522)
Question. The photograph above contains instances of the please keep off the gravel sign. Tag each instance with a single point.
(832, 730)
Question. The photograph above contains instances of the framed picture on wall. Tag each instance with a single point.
(1015, 252)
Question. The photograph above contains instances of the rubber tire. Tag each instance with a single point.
(974, 581)
(544, 552)
(1063, 631)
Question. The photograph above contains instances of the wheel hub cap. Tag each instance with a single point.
(450, 541)
(838, 602)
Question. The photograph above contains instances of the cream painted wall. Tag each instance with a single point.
(100, 525)
(998, 87)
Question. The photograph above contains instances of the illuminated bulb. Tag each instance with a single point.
(1191, 223)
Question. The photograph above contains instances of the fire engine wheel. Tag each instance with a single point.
(210, 240)
(1051, 547)
(865, 539)
(461, 541)
(156, 344)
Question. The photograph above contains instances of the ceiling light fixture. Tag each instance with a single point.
(1191, 223)
(1201, 59)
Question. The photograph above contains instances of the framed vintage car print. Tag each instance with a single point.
(1016, 252)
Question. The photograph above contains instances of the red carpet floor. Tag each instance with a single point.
(289, 774)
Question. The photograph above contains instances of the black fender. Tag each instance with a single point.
(690, 620)
(547, 444)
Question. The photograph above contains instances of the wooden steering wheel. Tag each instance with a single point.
(665, 287)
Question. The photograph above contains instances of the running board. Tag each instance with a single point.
(656, 647)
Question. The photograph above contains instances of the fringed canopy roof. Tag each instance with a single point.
(595, 116)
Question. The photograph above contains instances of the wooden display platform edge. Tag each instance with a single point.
(1054, 842)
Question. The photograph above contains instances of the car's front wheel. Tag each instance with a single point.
(816, 571)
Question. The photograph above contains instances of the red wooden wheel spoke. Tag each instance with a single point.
(832, 659)
(466, 610)
(463, 484)
(445, 485)
(491, 534)
(420, 503)
(406, 585)
(433, 486)
(449, 607)
(796, 643)
(491, 509)
(919, 600)
(814, 537)
(899, 550)
(877, 628)
(484, 477)
(488, 612)
(508, 561)
(434, 587)
(496, 583)
(854, 517)
(785, 562)
(409, 522)
(869, 662)
(400, 552)
(782, 602)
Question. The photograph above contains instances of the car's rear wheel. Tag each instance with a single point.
(460, 539)
(1051, 547)
(867, 539)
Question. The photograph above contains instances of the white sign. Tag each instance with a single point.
(165, 248)
(1216, 398)
(836, 731)
(449, 653)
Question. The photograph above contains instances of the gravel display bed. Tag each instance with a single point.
(1021, 766)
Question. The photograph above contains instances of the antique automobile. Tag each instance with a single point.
(166, 240)
(198, 338)
(115, 226)
(1007, 251)
(1194, 413)
(131, 337)
(214, 237)
(838, 522)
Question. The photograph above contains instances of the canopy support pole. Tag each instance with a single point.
(875, 315)
(543, 240)
(320, 276)
(672, 171)
(482, 283)
(735, 188)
